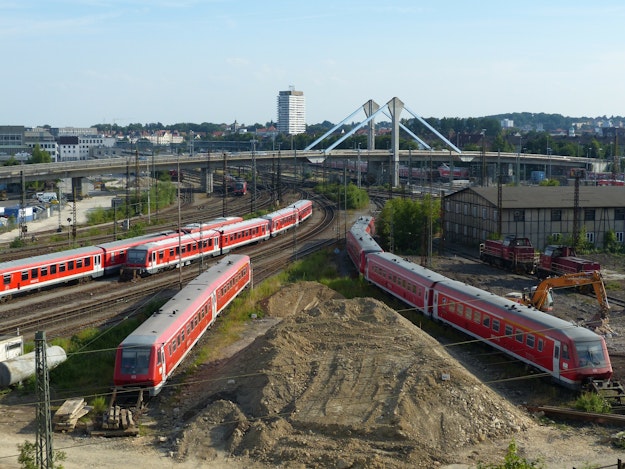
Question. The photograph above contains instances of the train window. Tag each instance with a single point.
(451, 306)
(135, 360)
(70, 265)
(44, 271)
(486, 321)
(496, 325)
(25, 275)
(87, 261)
(459, 309)
(508, 330)
(34, 273)
(540, 345)
(53, 269)
(161, 254)
(530, 340)
(556, 352)
(182, 335)
(7, 279)
(188, 329)
(565, 352)
(78, 263)
(174, 343)
(519, 336)
(179, 340)
(170, 349)
(61, 267)
(468, 313)
(171, 252)
(159, 356)
(477, 317)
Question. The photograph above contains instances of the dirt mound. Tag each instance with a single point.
(344, 383)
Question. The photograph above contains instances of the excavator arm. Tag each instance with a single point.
(578, 279)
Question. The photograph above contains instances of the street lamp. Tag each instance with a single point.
(518, 160)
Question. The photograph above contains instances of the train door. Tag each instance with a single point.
(163, 363)
(153, 260)
(556, 359)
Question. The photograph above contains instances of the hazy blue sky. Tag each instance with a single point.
(83, 62)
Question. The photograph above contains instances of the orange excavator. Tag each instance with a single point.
(540, 297)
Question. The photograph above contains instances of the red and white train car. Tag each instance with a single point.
(114, 252)
(156, 256)
(36, 272)
(148, 356)
(304, 209)
(572, 355)
(245, 232)
(360, 243)
(409, 282)
(288, 217)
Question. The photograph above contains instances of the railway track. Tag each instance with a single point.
(61, 311)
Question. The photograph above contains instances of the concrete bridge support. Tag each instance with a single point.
(206, 181)
(395, 107)
(370, 107)
(77, 188)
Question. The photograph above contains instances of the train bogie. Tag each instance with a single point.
(149, 355)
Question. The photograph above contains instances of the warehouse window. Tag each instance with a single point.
(556, 215)
(619, 236)
(589, 215)
(619, 213)
(590, 237)
(518, 215)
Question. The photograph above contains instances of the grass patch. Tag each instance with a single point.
(593, 402)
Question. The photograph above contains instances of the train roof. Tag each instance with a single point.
(301, 203)
(48, 258)
(242, 224)
(175, 240)
(365, 241)
(138, 239)
(542, 322)
(191, 296)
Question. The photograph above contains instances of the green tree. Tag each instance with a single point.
(28, 459)
(403, 224)
(40, 156)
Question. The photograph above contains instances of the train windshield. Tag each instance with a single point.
(135, 360)
(136, 256)
(591, 354)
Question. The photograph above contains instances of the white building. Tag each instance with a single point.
(291, 112)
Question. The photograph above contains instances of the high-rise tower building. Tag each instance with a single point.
(291, 112)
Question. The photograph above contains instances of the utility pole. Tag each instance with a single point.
(44, 421)
(225, 187)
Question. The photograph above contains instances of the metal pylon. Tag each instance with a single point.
(44, 420)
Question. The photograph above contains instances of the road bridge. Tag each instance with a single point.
(514, 164)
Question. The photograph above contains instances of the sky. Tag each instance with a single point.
(85, 62)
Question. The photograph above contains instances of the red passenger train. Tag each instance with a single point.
(85, 263)
(572, 355)
(153, 257)
(360, 243)
(150, 354)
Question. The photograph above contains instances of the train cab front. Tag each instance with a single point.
(136, 366)
(593, 361)
(136, 265)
